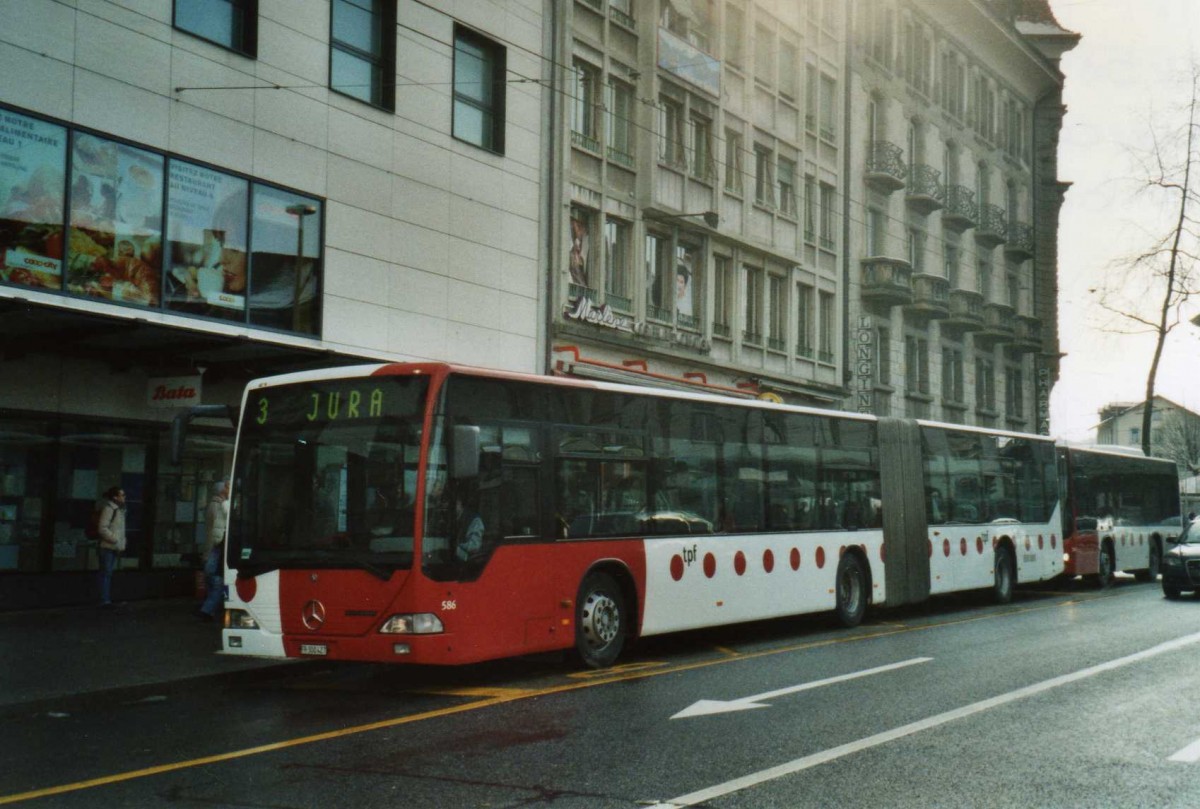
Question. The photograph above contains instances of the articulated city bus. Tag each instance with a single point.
(1120, 508)
(438, 514)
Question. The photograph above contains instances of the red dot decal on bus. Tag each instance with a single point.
(676, 567)
(962, 546)
(795, 560)
(820, 558)
(979, 545)
(768, 560)
(1028, 543)
(710, 565)
(1041, 542)
(246, 588)
(739, 563)
(883, 553)
(1053, 542)
(946, 547)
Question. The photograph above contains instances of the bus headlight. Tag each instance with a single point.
(422, 623)
(239, 619)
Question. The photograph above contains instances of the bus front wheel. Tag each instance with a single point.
(1004, 575)
(600, 618)
(851, 590)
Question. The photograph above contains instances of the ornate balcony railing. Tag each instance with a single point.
(925, 192)
(960, 212)
(931, 297)
(966, 312)
(1020, 241)
(885, 166)
(992, 228)
(1028, 335)
(887, 281)
(999, 325)
(584, 141)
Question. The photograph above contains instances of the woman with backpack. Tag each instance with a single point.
(111, 529)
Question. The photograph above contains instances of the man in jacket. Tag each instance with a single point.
(112, 539)
(216, 517)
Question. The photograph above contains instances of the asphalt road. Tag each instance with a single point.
(1069, 697)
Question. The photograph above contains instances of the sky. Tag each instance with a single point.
(1126, 81)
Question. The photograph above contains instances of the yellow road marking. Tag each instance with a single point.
(632, 671)
(727, 651)
(474, 691)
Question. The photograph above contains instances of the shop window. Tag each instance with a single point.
(231, 24)
(479, 66)
(285, 260)
(181, 497)
(32, 159)
(115, 238)
(26, 464)
(362, 51)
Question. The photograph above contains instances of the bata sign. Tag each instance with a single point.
(173, 391)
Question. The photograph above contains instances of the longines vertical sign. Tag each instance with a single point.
(864, 366)
(1042, 387)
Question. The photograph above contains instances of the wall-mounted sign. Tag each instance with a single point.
(584, 310)
(685, 60)
(864, 366)
(1043, 383)
(173, 391)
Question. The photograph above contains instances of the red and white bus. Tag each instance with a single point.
(438, 514)
(1120, 509)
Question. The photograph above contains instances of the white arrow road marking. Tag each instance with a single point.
(711, 706)
(1189, 754)
(797, 765)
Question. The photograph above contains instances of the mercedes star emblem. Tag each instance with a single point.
(313, 615)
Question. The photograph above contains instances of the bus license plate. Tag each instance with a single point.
(313, 649)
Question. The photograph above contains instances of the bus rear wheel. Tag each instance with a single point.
(1004, 576)
(1107, 567)
(851, 590)
(600, 618)
(1154, 564)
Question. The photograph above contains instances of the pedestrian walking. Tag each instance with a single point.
(216, 518)
(110, 529)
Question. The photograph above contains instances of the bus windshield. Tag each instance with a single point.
(326, 475)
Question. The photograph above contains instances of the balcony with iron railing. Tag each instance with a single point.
(577, 291)
(886, 169)
(999, 325)
(1019, 246)
(925, 192)
(930, 299)
(886, 281)
(966, 312)
(584, 141)
(992, 228)
(960, 212)
(1028, 335)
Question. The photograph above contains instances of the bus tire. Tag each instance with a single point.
(1106, 567)
(1004, 576)
(851, 589)
(1154, 563)
(600, 618)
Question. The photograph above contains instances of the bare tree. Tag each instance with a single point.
(1163, 275)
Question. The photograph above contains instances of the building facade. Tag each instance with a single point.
(193, 194)
(1174, 430)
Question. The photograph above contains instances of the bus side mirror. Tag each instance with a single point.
(179, 425)
(465, 461)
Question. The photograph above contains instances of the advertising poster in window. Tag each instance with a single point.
(206, 236)
(685, 273)
(115, 238)
(33, 157)
(285, 260)
(578, 261)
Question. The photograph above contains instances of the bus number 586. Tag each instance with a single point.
(449, 605)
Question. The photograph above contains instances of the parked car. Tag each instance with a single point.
(1181, 563)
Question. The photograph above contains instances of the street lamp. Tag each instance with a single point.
(299, 210)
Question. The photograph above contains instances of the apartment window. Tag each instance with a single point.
(985, 384)
(752, 322)
(827, 323)
(231, 24)
(828, 107)
(764, 55)
(952, 375)
(1014, 392)
(584, 129)
(810, 208)
(810, 98)
(763, 193)
(619, 135)
(733, 161)
(1013, 200)
(950, 257)
(876, 232)
(804, 321)
(660, 277)
(700, 143)
(579, 260)
(883, 352)
(1013, 285)
(735, 27)
(479, 70)
(787, 186)
(688, 261)
(916, 364)
(670, 130)
(362, 51)
(775, 308)
(622, 12)
(789, 70)
(723, 296)
(985, 279)
(618, 284)
(828, 209)
(916, 250)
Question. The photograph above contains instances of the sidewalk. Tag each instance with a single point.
(76, 650)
